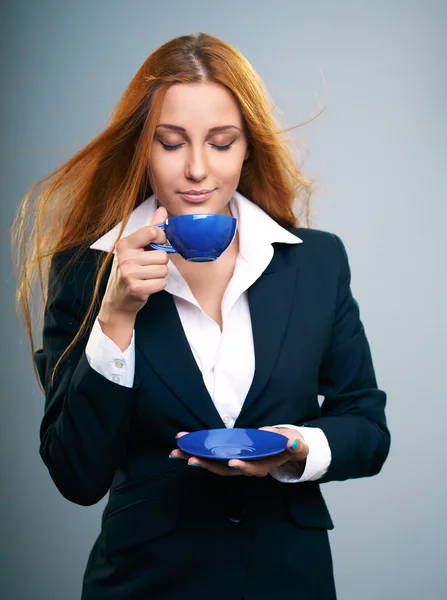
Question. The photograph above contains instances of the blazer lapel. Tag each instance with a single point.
(270, 299)
(161, 338)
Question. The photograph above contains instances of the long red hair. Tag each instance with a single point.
(107, 179)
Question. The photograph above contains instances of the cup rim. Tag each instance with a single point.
(202, 215)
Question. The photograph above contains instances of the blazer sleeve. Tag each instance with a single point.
(353, 410)
(87, 417)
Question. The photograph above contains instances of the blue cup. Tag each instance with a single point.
(198, 238)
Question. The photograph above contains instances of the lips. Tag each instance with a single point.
(196, 197)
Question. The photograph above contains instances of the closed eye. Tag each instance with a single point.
(215, 146)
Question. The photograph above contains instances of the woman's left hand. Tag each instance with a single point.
(296, 451)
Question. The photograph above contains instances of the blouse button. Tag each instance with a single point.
(237, 514)
(115, 378)
(119, 363)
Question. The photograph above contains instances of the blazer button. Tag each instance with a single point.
(237, 514)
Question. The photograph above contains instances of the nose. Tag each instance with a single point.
(196, 167)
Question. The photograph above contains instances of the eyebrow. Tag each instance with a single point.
(183, 130)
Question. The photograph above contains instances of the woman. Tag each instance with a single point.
(140, 348)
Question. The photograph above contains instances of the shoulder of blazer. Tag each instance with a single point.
(320, 245)
(313, 236)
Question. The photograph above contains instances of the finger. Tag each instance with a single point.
(176, 453)
(297, 449)
(160, 216)
(136, 257)
(272, 429)
(296, 446)
(141, 238)
(260, 467)
(143, 288)
(214, 466)
(143, 272)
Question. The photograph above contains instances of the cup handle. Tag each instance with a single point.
(166, 247)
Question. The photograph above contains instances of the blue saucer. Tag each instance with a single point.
(226, 444)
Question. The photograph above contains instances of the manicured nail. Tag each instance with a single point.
(233, 466)
(170, 456)
(193, 465)
(294, 446)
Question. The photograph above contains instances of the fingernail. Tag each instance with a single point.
(233, 466)
(193, 465)
(170, 456)
(295, 444)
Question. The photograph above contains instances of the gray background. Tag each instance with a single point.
(376, 152)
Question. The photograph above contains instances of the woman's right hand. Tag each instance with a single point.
(136, 274)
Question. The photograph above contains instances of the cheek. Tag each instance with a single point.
(164, 166)
(227, 167)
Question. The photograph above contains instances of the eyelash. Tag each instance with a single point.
(220, 148)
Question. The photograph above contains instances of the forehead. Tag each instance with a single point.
(199, 105)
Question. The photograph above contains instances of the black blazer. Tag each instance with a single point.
(172, 531)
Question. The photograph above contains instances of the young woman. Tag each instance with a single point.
(140, 347)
